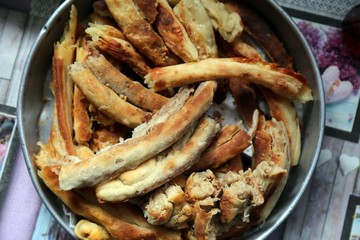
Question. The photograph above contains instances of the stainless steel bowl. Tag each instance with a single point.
(34, 107)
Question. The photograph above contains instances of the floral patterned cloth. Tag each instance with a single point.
(332, 9)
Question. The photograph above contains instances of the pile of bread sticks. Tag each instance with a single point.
(133, 149)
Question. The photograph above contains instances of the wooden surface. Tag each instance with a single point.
(321, 211)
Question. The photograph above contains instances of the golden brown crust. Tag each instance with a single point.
(64, 52)
(119, 220)
(148, 8)
(161, 169)
(193, 16)
(136, 93)
(139, 32)
(282, 81)
(174, 33)
(82, 122)
(240, 48)
(231, 141)
(107, 101)
(116, 46)
(103, 138)
(110, 162)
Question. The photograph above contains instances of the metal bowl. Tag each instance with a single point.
(35, 106)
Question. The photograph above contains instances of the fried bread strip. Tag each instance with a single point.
(118, 158)
(281, 80)
(119, 220)
(174, 33)
(139, 32)
(197, 23)
(135, 93)
(230, 142)
(64, 52)
(162, 168)
(228, 23)
(82, 124)
(240, 48)
(259, 29)
(107, 101)
(108, 40)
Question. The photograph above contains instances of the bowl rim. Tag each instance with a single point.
(257, 235)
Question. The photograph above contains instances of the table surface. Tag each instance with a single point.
(319, 215)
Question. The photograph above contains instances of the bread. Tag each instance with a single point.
(259, 30)
(86, 230)
(284, 110)
(193, 16)
(148, 9)
(64, 53)
(113, 43)
(162, 168)
(139, 32)
(228, 23)
(134, 92)
(118, 158)
(280, 80)
(119, 220)
(106, 100)
(174, 34)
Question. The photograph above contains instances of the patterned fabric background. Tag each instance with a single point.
(333, 9)
(43, 8)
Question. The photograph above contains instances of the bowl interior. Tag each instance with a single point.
(34, 111)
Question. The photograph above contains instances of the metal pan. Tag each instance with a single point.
(34, 107)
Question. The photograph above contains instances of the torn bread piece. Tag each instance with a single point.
(284, 110)
(193, 16)
(174, 34)
(271, 143)
(168, 206)
(121, 221)
(203, 191)
(107, 101)
(135, 93)
(283, 81)
(228, 23)
(240, 195)
(140, 33)
(267, 179)
(110, 162)
(162, 168)
(117, 47)
(230, 142)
